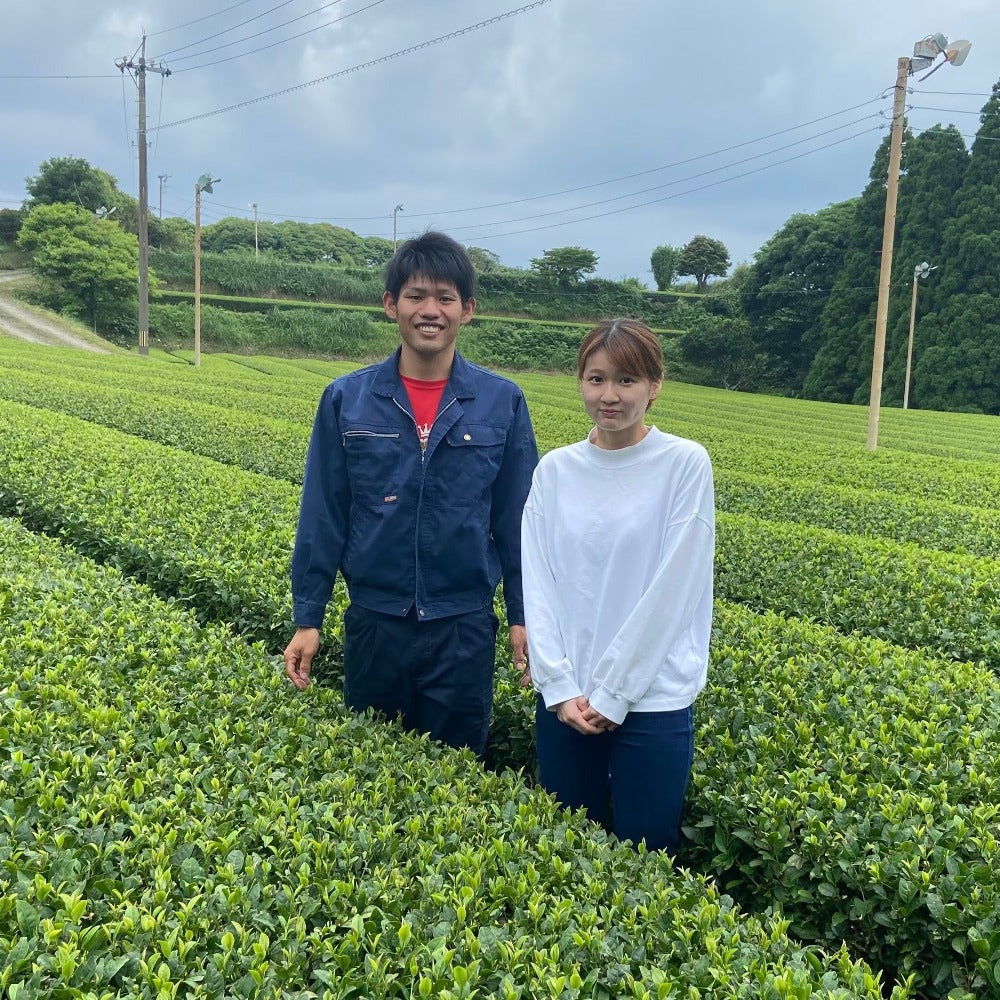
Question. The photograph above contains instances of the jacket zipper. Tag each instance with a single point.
(420, 502)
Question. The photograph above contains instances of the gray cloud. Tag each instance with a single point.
(569, 95)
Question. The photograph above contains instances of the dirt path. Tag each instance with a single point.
(17, 321)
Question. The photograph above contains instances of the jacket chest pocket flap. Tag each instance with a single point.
(473, 453)
(373, 460)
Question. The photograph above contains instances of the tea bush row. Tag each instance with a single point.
(245, 580)
(178, 824)
(908, 595)
(851, 784)
(141, 402)
(736, 444)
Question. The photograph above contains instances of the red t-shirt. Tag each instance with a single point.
(425, 398)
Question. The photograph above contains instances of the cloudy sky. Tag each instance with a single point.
(615, 125)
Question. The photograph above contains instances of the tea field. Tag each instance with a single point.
(179, 822)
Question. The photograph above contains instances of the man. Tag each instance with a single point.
(417, 473)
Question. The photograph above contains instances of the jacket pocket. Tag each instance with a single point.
(469, 459)
(373, 459)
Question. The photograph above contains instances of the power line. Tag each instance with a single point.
(291, 38)
(159, 118)
(952, 111)
(651, 170)
(197, 20)
(57, 76)
(365, 65)
(950, 93)
(311, 218)
(584, 187)
(128, 141)
(680, 180)
(225, 31)
(655, 201)
(770, 152)
(246, 38)
(679, 194)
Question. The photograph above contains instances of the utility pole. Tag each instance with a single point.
(197, 271)
(256, 245)
(888, 232)
(141, 68)
(395, 212)
(920, 271)
(204, 183)
(925, 52)
(162, 178)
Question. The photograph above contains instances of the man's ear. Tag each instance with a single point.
(468, 308)
(389, 305)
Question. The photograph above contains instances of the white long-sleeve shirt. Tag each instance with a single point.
(617, 550)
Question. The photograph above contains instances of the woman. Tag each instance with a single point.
(618, 540)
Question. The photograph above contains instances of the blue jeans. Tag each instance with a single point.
(646, 764)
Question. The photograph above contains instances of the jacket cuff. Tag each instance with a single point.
(515, 609)
(308, 615)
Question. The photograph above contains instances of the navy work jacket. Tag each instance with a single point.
(435, 529)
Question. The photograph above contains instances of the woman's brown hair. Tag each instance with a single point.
(631, 346)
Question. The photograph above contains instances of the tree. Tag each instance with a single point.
(377, 250)
(936, 163)
(483, 261)
(90, 264)
(10, 224)
(71, 180)
(725, 349)
(788, 285)
(565, 265)
(841, 366)
(957, 345)
(172, 233)
(701, 258)
(933, 169)
(230, 233)
(663, 264)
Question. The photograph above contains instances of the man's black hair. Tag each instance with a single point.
(435, 256)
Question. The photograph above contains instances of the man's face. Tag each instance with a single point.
(429, 313)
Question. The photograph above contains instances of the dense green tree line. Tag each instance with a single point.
(812, 289)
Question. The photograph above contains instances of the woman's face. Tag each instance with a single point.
(616, 401)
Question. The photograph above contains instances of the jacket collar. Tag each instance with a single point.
(388, 383)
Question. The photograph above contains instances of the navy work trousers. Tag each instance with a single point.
(437, 675)
(646, 763)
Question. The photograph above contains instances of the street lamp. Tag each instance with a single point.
(920, 271)
(395, 211)
(204, 183)
(925, 52)
(162, 178)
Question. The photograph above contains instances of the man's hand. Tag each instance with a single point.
(299, 655)
(572, 713)
(519, 647)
